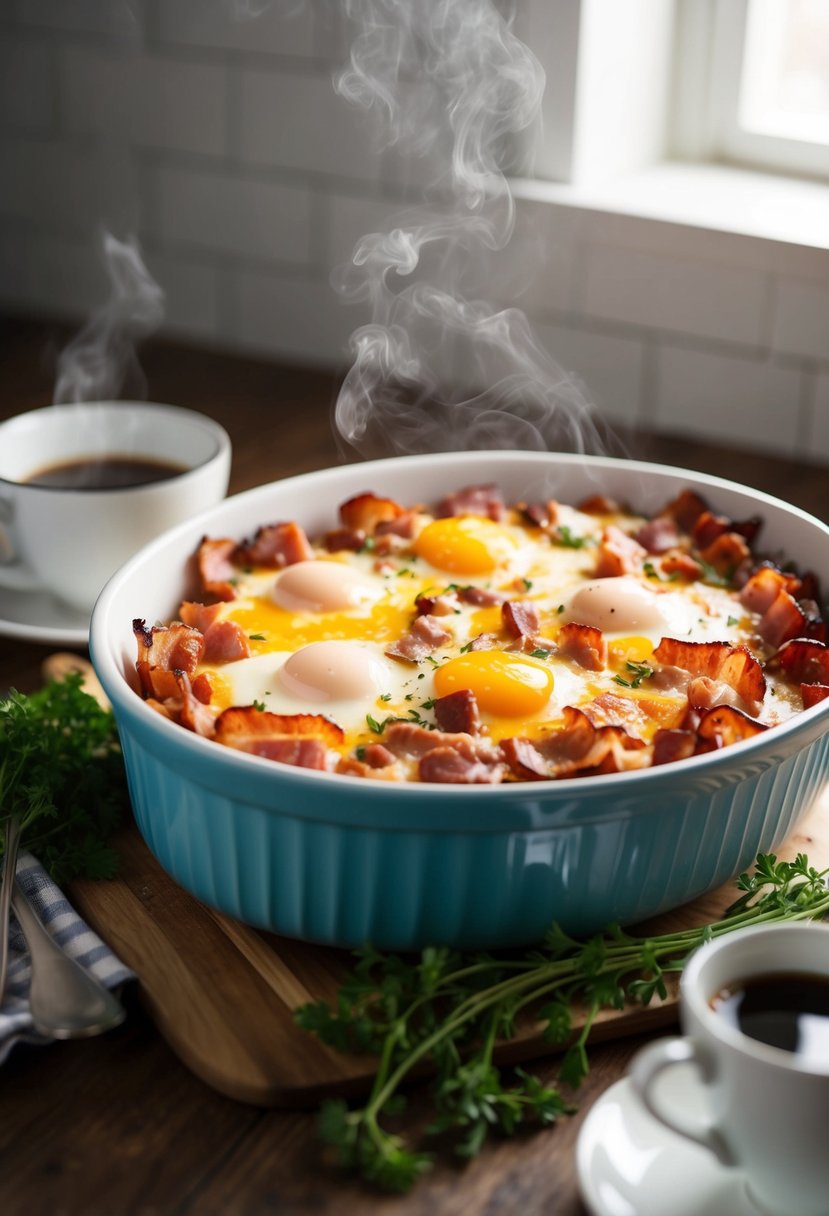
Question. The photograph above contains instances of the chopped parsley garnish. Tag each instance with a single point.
(564, 537)
(384, 696)
(733, 620)
(257, 637)
(367, 545)
(540, 654)
(528, 584)
(260, 705)
(639, 671)
(466, 648)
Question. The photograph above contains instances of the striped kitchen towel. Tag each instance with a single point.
(72, 933)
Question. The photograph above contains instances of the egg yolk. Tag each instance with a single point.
(463, 545)
(506, 684)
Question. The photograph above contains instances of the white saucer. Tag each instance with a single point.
(629, 1164)
(36, 616)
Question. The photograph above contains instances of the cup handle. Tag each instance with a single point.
(655, 1059)
(13, 573)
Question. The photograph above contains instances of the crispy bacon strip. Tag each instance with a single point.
(783, 620)
(725, 725)
(618, 553)
(584, 644)
(425, 635)
(763, 587)
(174, 647)
(409, 741)
(473, 500)
(365, 512)
(216, 569)
(224, 641)
(719, 661)
(176, 698)
(301, 740)
(275, 546)
(455, 766)
(577, 748)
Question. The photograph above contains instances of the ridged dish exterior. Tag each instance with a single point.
(344, 861)
(585, 864)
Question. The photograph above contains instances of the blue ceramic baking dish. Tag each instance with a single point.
(335, 859)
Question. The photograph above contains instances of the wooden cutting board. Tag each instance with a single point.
(223, 994)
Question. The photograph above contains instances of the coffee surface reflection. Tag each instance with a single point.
(104, 472)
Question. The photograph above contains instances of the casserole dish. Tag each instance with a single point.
(322, 857)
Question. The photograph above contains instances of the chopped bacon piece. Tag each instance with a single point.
(473, 500)
(425, 635)
(404, 526)
(618, 553)
(377, 756)
(708, 527)
(175, 647)
(812, 693)
(686, 509)
(720, 661)
(457, 712)
(435, 605)
(763, 587)
(175, 698)
(409, 741)
(599, 504)
(577, 748)
(157, 682)
(224, 642)
(485, 641)
(682, 564)
(202, 688)
(520, 618)
(803, 660)
(782, 620)
(480, 597)
(452, 765)
(541, 514)
(670, 745)
(725, 725)
(199, 616)
(608, 709)
(344, 538)
(705, 693)
(364, 512)
(814, 625)
(301, 740)
(275, 546)
(658, 535)
(584, 644)
(216, 569)
(360, 768)
(727, 553)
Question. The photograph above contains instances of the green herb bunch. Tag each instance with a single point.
(451, 1009)
(62, 776)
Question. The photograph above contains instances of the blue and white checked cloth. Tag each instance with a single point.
(70, 932)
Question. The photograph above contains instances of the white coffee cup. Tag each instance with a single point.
(767, 1108)
(69, 541)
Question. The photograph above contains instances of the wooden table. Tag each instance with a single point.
(117, 1125)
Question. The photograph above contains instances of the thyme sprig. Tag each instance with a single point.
(452, 1009)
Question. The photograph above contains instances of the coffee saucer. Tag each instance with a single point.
(629, 1164)
(36, 616)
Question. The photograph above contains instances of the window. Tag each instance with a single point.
(760, 95)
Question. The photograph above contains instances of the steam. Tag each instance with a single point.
(437, 368)
(101, 360)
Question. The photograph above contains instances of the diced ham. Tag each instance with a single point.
(584, 644)
(473, 500)
(436, 605)
(403, 526)
(618, 554)
(408, 741)
(480, 597)
(520, 618)
(340, 539)
(199, 616)
(425, 635)
(174, 647)
(763, 588)
(275, 546)
(365, 512)
(225, 642)
(485, 641)
(720, 661)
(682, 564)
(216, 569)
(457, 712)
(377, 756)
(453, 766)
(658, 535)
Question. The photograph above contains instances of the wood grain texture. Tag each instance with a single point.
(223, 994)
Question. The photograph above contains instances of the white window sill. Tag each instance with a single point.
(718, 198)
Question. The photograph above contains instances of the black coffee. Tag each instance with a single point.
(104, 472)
(789, 1010)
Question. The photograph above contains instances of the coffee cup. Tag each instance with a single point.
(83, 487)
(754, 1009)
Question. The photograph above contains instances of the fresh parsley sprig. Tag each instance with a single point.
(62, 776)
(451, 1009)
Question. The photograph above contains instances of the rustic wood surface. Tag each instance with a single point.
(118, 1124)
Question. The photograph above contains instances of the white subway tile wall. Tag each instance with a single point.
(213, 131)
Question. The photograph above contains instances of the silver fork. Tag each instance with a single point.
(65, 1000)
